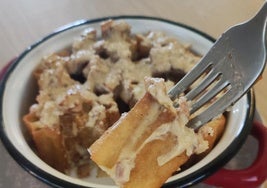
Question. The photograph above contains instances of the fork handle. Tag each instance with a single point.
(260, 17)
(250, 177)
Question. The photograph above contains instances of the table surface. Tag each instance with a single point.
(24, 22)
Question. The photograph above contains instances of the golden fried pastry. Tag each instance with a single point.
(211, 132)
(150, 141)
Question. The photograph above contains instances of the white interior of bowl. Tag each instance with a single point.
(19, 83)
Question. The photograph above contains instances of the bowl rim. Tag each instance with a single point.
(188, 180)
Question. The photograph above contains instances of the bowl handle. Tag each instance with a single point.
(252, 176)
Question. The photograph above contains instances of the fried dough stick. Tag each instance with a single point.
(147, 145)
(48, 144)
(107, 150)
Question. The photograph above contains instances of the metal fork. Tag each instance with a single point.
(230, 68)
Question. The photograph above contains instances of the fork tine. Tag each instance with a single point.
(207, 80)
(187, 80)
(212, 111)
(209, 95)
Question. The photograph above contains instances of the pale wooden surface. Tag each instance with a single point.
(22, 22)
